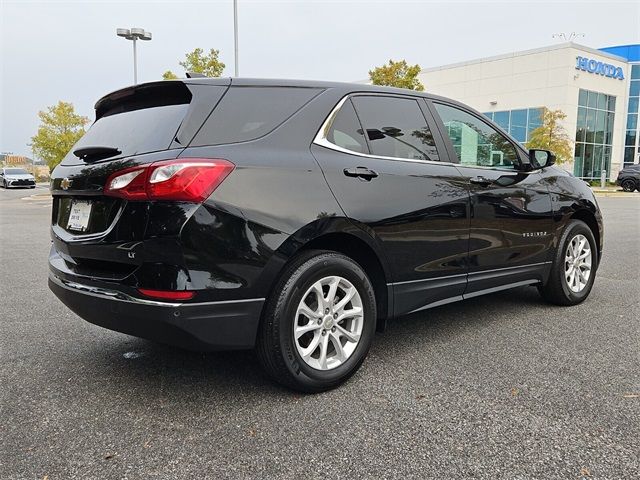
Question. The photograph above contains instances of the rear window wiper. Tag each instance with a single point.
(95, 152)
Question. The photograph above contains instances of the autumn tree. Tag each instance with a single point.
(551, 135)
(197, 61)
(397, 74)
(60, 128)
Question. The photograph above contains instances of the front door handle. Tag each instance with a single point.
(483, 181)
(361, 172)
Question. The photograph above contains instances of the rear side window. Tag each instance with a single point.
(395, 127)
(247, 113)
(346, 131)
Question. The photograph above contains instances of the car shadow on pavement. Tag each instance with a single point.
(138, 363)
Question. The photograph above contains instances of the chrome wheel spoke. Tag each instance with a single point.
(577, 264)
(339, 313)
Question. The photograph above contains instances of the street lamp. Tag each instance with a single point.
(134, 34)
(235, 38)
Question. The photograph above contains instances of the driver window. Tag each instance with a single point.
(476, 143)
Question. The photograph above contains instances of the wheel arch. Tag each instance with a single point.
(589, 218)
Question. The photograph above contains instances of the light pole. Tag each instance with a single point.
(134, 34)
(235, 36)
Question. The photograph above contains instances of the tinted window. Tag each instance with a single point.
(476, 142)
(138, 131)
(15, 171)
(247, 113)
(346, 131)
(396, 127)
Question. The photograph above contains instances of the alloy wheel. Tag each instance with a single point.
(328, 323)
(577, 263)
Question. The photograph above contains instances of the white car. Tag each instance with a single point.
(16, 177)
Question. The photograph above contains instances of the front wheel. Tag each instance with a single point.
(628, 185)
(574, 266)
(319, 323)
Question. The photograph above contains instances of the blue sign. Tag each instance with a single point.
(599, 68)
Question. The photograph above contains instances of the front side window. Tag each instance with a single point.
(395, 127)
(476, 143)
(346, 132)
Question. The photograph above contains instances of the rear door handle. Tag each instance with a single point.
(361, 172)
(485, 182)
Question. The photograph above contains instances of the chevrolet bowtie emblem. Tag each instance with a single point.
(65, 183)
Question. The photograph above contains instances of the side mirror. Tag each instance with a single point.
(541, 158)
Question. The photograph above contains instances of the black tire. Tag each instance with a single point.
(276, 348)
(556, 289)
(628, 185)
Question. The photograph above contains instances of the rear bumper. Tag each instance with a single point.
(224, 325)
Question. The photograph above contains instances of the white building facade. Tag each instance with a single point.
(597, 90)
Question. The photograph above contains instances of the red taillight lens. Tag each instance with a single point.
(185, 180)
(168, 294)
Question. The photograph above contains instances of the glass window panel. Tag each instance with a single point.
(587, 169)
(395, 127)
(608, 139)
(632, 121)
(630, 138)
(602, 101)
(633, 104)
(502, 119)
(578, 160)
(611, 103)
(489, 115)
(582, 98)
(599, 133)
(592, 102)
(476, 142)
(606, 158)
(346, 131)
(519, 133)
(634, 89)
(629, 154)
(580, 128)
(519, 118)
(535, 117)
(596, 163)
(635, 72)
(591, 125)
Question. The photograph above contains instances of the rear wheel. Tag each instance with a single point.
(318, 325)
(574, 267)
(628, 185)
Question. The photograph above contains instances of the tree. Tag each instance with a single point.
(199, 62)
(552, 136)
(169, 75)
(397, 74)
(60, 128)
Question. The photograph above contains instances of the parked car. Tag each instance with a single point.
(629, 178)
(16, 177)
(297, 217)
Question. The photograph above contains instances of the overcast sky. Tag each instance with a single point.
(68, 50)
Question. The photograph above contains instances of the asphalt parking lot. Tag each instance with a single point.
(495, 387)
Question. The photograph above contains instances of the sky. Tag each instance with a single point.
(68, 50)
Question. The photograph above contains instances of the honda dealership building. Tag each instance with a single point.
(598, 90)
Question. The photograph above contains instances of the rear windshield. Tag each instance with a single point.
(138, 131)
(138, 120)
(247, 113)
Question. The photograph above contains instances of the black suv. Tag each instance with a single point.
(629, 178)
(297, 217)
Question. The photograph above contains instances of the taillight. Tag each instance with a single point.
(168, 294)
(183, 180)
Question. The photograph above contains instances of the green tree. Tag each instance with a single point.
(551, 135)
(169, 75)
(397, 74)
(199, 62)
(60, 128)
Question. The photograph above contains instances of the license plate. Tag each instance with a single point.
(79, 216)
